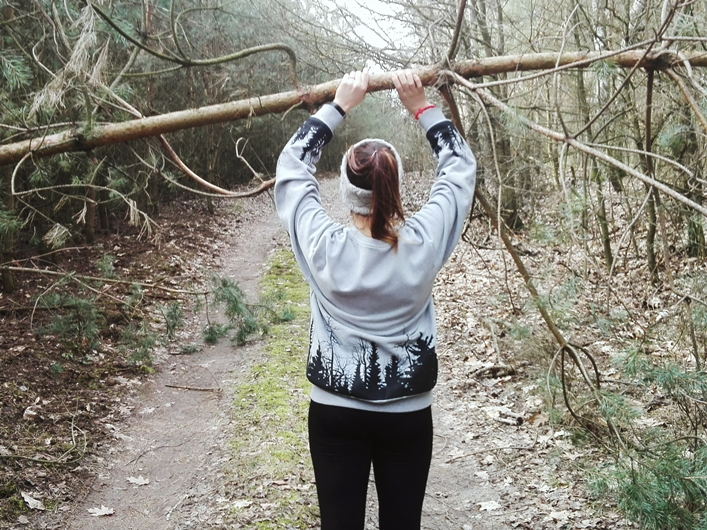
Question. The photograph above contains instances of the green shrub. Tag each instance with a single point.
(138, 341)
(245, 318)
(173, 316)
(75, 320)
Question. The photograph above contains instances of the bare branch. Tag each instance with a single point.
(490, 99)
(454, 45)
(177, 160)
(688, 97)
(73, 276)
(183, 61)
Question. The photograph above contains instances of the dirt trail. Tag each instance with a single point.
(178, 438)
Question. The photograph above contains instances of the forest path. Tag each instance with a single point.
(178, 438)
(487, 473)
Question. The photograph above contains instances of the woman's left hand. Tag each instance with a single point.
(352, 90)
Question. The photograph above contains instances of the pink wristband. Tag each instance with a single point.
(423, 109)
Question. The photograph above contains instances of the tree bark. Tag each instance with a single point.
(310, 97)
(594, 172)
(7, 243)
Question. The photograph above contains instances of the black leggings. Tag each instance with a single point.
(344, 442)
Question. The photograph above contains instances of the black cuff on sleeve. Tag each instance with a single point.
(338, 108)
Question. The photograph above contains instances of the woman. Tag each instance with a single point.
(372, 340)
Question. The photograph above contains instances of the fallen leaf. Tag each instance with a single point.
(560, 516)
(242, 504)
(22, 519)
(30, 413)
(103, 510)
(32, 503)
(488, 506)
(139, 481)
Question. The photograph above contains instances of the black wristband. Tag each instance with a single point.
(337, 107)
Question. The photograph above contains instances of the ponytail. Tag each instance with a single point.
(373, 166)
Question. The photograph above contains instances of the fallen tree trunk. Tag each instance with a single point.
(77, 139)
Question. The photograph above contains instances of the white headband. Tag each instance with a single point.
(357, 199)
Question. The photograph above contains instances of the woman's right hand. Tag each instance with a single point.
(352, 90)
(410, 90)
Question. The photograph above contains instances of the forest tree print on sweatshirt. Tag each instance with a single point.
(368, 372)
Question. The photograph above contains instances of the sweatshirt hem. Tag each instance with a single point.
(406, 404)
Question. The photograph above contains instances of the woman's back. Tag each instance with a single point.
(371, 301)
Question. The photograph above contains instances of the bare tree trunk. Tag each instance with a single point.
(654, 200)
(602, 217)
(595, 175)
(7, 242)
(695, 231)
(650, 237)
(509, 180)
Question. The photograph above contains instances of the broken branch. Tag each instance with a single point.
(77, 139)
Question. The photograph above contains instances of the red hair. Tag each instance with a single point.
(373, 166)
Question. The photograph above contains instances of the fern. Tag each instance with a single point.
(244, 317)
(105, 266)
(241, 315)
(173, 316)
(215, 332)
(138, 341)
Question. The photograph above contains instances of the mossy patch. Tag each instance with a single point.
(272, 470)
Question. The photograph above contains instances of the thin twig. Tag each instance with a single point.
(195, 388)
(105, 280)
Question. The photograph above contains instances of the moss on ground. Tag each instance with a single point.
(274, 481)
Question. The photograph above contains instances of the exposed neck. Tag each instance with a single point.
(362, 222)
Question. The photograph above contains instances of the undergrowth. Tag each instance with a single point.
(659, 479)
(636, 392)
(79, 320)
(76, 320)
(649, 412)
(270, 463)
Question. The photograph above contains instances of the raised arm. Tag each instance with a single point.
(442, 218)
(296, 190)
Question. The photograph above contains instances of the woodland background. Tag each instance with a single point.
(591, 176)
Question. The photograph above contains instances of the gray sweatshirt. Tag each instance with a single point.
(372, 336)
